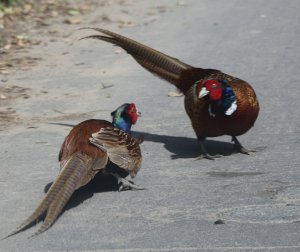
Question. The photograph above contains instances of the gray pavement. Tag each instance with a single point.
(258, 196)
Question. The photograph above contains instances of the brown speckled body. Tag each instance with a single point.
(237, 124)
(78, 140)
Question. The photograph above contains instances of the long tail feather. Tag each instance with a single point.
(59, 193)
(160, 64)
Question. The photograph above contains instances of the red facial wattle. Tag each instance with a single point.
(215, 95)
(132, 113)
(215, 89)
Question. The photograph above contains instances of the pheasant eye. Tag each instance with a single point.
(214, 85)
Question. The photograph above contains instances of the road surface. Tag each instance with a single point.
(257, 196)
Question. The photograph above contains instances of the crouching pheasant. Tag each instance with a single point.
(217, 103)
(85, 152)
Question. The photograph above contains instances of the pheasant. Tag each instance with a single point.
(216, 103)
(86, 151)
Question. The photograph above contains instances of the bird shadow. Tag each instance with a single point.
(180, 147)
(185, 147)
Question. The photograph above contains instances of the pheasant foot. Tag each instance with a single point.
(239, 147)
(204, 152)
(126, 183)
(208, 156)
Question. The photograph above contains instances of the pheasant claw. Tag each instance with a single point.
(205, 154)
(239, 147)
(126, 184)
(208, 156)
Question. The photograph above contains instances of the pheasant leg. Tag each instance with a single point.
(205, 153)
(126, 184)
(239, 147)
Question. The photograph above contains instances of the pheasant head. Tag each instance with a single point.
(125, 116)
(221, 96)
(212, 88)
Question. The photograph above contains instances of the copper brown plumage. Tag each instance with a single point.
(233, 112)
(85, 152)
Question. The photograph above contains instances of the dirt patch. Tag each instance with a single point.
(21, 24)
(28, 27)
(7, 118)
(8, 115)
(12, 92)
(24, 25)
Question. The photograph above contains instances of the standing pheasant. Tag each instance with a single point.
(217, 103)
(85, 152)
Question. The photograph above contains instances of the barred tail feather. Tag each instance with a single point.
(158, 63)
(59, 193)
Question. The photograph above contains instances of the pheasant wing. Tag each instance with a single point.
(121, 148)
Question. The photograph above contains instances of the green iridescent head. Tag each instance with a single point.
(125, 116)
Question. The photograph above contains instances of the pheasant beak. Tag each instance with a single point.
(138, 113)
(203, 92)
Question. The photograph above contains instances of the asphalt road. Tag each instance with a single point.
(258, 196)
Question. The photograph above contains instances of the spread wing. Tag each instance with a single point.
(121, 148)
